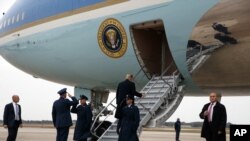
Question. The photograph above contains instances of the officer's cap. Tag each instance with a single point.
(83, 97)
(130, 97)
(62, 91)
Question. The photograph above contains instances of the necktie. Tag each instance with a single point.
(210, 112)
(17, 112)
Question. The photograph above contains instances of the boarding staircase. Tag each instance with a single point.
(162, 97)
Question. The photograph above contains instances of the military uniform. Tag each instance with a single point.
(177, 127)
(129, 124)
(83, 123)
(61, 115)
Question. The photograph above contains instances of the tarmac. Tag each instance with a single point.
(49, 134)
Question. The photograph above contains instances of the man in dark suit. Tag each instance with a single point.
(84, 119)
(177, 127)
(215, 119)
(61, 114)
(128, 125)
(12, 118)
(125, 88)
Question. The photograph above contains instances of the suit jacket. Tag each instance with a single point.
(61, 112)
(129, 124)
(126, 88)
(9, 115)
(218, 123)
(83, 123)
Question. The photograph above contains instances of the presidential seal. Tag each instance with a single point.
(112, 38)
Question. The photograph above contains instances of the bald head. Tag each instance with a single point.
(15, 98)
(129, 77)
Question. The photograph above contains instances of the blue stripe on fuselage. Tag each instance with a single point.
(33, 10)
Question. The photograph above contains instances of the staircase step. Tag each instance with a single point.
(161, 81)
(151, 97)
(113, 127)
(153, 92)
(147, 106)
(145, 101)
(143, 113)
(109, 138)
(159, 90)
(111, 132)
(164, 77)
(157, 86)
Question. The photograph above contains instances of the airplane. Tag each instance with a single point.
(91, 45)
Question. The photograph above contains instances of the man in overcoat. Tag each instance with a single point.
(125, 88)
(215, 119)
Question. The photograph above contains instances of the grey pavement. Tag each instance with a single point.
(49, 134)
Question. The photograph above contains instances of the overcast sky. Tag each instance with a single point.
(37, 96)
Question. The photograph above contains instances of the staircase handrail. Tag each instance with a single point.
(139, 71)
(139, 102)
(165, 71)
(97, 117)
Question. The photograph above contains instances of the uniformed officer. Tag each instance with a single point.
(177, 127)
(84, 119)
(128, 125)
(61, 114)
(125, 88)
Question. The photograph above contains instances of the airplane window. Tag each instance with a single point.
(8, 21)
(23, 16)
(17, 18)
(13, 19)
